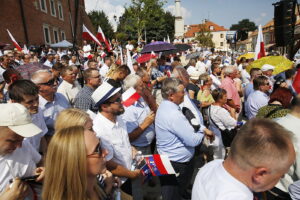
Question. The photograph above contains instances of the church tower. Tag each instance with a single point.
(179, 23)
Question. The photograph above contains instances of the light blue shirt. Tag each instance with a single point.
(248, 90)
(134, 116)
(255, 101)
(52, 109)
(175, 137)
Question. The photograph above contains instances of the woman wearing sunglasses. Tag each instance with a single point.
(73, 161)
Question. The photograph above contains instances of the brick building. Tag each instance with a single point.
(37, 22)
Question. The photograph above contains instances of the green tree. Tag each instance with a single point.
(99, 18)
(204, 36)
(244, 25)
(146, 16)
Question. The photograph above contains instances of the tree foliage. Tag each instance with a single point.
(204, 36)
(99, 18)
(244, 25)
(146, 17)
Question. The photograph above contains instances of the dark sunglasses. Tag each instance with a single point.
(118, 100)
(49, 83)
(98, 152)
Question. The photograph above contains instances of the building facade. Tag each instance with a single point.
(218, 34)
(38, 22)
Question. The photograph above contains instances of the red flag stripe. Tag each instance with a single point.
(133, 98)
(159, 164)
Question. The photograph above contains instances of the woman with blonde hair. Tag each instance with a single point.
(117, 74)
(73, 161)
(73, 117)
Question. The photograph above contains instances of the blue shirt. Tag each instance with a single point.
(52, 109)
(255, 101)
(248, 90)
(175, 137)
(134, 116)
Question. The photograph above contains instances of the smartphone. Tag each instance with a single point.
(29, 178)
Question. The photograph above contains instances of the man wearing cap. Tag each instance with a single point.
(110, 127)
(17, 157)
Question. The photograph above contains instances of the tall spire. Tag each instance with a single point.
(179, 23)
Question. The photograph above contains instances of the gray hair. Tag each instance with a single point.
(36, 78)
(170, 86)
(131, 81)
(229, 69)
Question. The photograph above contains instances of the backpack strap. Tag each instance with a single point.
(273, 111)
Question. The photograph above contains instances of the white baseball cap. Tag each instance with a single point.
(17, 118)
(267, 67)
(104, 92)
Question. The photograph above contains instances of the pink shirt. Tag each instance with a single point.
(232, 93)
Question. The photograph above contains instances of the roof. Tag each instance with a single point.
(195, 28)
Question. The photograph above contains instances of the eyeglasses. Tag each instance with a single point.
(118, 100)
(97, 153)
(49, 83)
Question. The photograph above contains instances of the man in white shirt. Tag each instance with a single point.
(260, 154)
(111, 129)
(17, 158)
(26, 93)
(49, 62)
(69, 87)
(215, 73)
(192, 67)
(105, 67)
(292, 123)
(86, 49)
(201, 66)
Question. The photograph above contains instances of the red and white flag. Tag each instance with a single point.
(86, 34)
(130, 96)
(260, 45)
(100, 35)
(14, 41)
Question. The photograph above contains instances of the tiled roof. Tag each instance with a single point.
(194, 28)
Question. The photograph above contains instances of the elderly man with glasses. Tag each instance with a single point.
(51, 103)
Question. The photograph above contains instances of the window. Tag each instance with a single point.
(221, 35)
(52, 8)
(63, 35)
(211, 28)
(60, 11)
(43, 6)
(55, 35)
(46, 31)
(221, 44)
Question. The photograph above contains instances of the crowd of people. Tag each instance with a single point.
(65, 133)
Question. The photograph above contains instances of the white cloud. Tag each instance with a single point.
(109, 9)
(184, 12)
(263, 14)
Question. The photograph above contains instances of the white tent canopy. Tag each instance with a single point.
(62, 44)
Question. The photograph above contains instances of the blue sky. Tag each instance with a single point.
(222, 12)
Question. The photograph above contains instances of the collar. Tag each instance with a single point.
(67, 84)
(229, 79)
(107, 122)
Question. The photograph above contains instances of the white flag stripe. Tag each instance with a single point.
(128, 93)
(94, 38)
(167, 164)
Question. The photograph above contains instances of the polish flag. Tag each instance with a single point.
(260, 45)
(100, 35)
(130, 96)
(87, 35)
(14, 41)
(157, 165)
